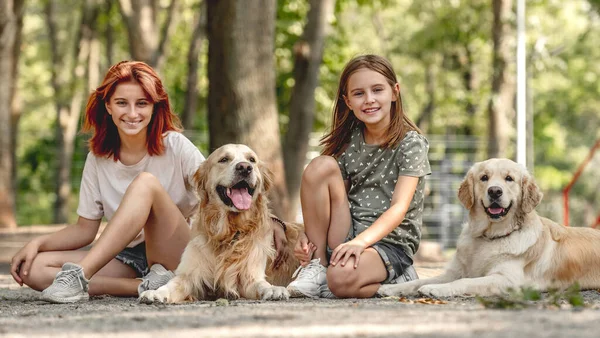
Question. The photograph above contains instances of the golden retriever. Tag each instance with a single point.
(505, 244)
(232, 235)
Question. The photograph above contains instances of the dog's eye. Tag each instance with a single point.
(252, 159)
(484, 178)
(223, 159)
(509, 178)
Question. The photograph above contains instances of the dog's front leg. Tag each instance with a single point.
(452, 273)
(177, 290)
(412, 287)
(258, 287)
(267, 291)
(495, 282)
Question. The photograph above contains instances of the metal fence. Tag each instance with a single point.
(450, 158)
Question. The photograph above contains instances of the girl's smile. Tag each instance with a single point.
(130, 109)
(370, 97)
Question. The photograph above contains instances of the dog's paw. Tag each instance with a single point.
(155, 296)
(274, 293)
(438, 291)
(405, 289)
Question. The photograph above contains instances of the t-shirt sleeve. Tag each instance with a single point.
(191, 158)
(413, 160)
(90, 201)
(342, 164)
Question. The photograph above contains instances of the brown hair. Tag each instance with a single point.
(344, 121)
(105, 140)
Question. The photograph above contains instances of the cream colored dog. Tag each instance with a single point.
(505, 244)
(232, 235)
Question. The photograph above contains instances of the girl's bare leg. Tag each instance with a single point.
(115, 278)
(324, 205)
(145, 205)
(362, 282)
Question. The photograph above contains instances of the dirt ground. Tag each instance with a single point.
(23, 315)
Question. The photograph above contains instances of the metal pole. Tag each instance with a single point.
(521, 86)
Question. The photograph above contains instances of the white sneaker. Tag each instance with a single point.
(324, 292)
(69, 286)
(310, 278)
(157, 277)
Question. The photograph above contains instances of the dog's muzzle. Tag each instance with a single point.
(239, 195)
(495, 210)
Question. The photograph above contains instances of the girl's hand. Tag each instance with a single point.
(344, 251)
(21, 261)
(280, 241)
(304, 249)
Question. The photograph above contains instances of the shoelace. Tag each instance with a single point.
(65, 278)
(146, 280)
(307, 271)
(145, 284)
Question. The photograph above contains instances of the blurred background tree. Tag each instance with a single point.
(265, 72)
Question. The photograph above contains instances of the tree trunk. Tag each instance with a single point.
(241, 103)
(424, 121)
(191, 93)
(468, 70)
(145, 43)
(11, 22)
(69, 88)
(501, 101)
(308, 52)
(109, 36)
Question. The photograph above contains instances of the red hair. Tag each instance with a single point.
(105, 140)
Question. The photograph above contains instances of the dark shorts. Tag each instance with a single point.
(135, 258)
(397, 263)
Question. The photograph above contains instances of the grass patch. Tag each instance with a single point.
(527, 297)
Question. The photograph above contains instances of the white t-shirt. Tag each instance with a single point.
(105, 181)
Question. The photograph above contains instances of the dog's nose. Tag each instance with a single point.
(495, 192)
(243, 168)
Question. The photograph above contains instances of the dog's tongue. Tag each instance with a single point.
(240, 198)
(495, 211)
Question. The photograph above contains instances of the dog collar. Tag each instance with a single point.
(484, 236)
(280, 222)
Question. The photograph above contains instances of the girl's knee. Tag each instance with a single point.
(320, 168)
(35, 278)
(342, 280)
(144, 180)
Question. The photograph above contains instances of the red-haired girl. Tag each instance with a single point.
(137, 176)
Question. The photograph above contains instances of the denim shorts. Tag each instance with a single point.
(135, 258)
(397, 263)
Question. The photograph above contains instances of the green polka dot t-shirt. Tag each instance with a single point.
(373, 173)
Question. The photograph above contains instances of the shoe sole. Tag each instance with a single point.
(67, 300)
(295, 293)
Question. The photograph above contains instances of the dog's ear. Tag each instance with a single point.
(465, 192)
(199, 181)
(531, 194)
(267, 175)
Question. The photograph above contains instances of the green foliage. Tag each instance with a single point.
(450, 38)
(526, 297)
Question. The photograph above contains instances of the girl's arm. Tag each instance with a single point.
(72, 237)
(391, 218)
(69, 238)
(388, 221)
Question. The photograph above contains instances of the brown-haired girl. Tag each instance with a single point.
(363, 197)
